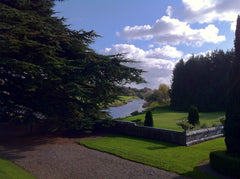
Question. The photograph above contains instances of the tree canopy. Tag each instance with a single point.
(202, 81)
(160, 95)
(49, 70)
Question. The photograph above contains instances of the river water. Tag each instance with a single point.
(127, 109)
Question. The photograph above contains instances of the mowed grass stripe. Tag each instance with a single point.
(178, 159)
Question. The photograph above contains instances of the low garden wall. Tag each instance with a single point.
(198, 136)
(180, 138)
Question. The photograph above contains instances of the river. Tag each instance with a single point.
(127, 109)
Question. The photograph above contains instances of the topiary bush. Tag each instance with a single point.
(148, 119)
(193, 116)
(224, 163)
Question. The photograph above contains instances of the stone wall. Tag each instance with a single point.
(180, 138)
(198, 136)
(131, 129)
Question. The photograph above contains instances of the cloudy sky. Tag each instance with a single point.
(156, 33)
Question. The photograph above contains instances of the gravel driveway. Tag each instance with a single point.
(62, 158)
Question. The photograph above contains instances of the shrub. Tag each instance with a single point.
(193, 117)
(185, 124)
(225, 163)
(138, 122)
(222, 119)
(134, 113)
(203, 126)
(214, 125)
(148, 119)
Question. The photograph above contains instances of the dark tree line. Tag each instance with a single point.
(202, 81)
(49, 72)
(232, 123)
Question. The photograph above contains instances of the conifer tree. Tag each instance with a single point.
(148, 119)
(232, 123)
(193, 116)
(49, 70)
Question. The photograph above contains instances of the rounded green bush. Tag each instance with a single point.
(224, 163)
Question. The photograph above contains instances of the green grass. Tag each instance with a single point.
(166, 118)
(171, 157)
(8, 170)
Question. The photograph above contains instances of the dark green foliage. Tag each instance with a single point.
(148, 119)
(202, 81)
(138, 122)
(134, 113)
(193, 116)
(232, 123)
(141, 93)
(225, 163)
(48, 70)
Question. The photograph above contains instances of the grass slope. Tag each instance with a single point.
(166, 118)
(8, 170)
(178, 159)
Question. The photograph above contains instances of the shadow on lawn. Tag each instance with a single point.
(207, 173)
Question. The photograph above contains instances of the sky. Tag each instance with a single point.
(155, 33)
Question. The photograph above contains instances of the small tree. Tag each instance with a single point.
(148, 119)
(193, 117)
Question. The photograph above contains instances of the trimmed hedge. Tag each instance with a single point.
(224, 163)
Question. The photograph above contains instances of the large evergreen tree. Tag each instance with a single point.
(49, 72)
(232, 124)
(202, 81)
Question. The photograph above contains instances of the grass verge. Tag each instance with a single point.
(8, 170)
(171, 157)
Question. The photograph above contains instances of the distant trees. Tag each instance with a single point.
(232, 123)
(49, 72)
(148, 119)
(161, 95)
(201, 81)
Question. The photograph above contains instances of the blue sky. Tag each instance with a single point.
(157, 33)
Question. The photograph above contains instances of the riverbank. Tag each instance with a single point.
(123, 100)
(127, 109)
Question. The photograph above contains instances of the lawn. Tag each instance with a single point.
(166, 118)
(171, 157)
(8, 170)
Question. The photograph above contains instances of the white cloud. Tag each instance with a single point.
(158, 62)
(169, 11)
(168, 30)
(208, 11)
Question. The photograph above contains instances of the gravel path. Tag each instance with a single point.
(62, 158)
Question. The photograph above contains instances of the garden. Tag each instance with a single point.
(166, 118)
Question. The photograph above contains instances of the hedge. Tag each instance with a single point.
(224, 163)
